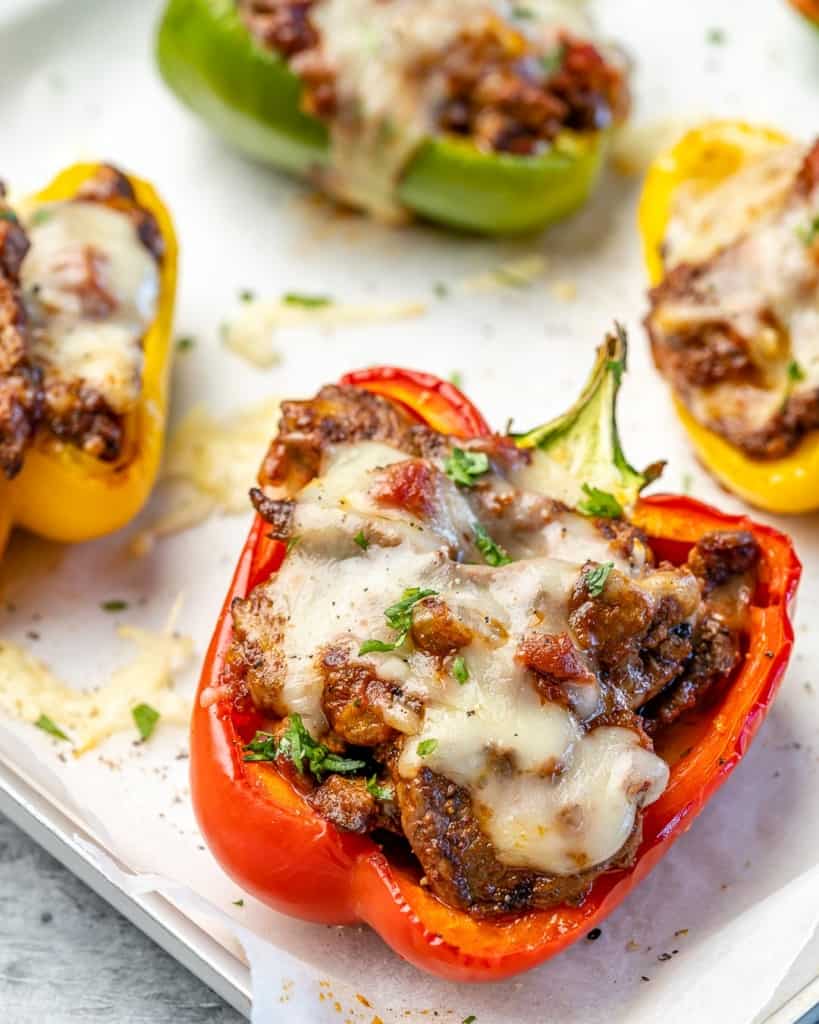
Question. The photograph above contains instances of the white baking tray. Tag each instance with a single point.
(77, 82)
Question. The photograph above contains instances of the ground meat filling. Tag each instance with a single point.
(723, 330)
(495, 88)
(641, 645)
(20, 385)
(34, 396)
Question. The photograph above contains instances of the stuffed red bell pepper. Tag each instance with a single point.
(469, 687)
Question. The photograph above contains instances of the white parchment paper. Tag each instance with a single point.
(713, 931)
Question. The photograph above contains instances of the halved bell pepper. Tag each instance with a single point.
(706, 156)
(63, 493)
(277, 847)
(251, 97)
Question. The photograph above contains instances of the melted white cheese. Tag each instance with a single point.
(103, 349)
(571, 797)
(386, 105)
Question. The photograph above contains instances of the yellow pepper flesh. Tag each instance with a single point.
(61, 492)
(702, 159)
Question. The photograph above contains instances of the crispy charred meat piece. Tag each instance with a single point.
(337, 415)
(724, 564)
(703, 338)
(350, 806)
(495, 87)
(20, 394)
(461, 864)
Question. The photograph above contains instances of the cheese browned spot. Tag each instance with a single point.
(735, 324)
(520, 781)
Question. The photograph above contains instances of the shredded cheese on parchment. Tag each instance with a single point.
(29, 689)
(210, 465)
(251, 333)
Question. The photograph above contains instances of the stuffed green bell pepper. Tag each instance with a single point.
(483, 115)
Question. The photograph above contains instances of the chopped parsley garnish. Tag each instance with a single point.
(470, 1019)
(464, 468)
(238, 903)
(246, 295)
(426, 747)
(361, 540)
(114, 605)
(795, 371)
(493, 554)
(399, 617)
(552, 62)
(8, 215)
(50, 726)
(145, 719)
(460, 669)
(296, 744)
(596, 578)
(40, 217)
(307, 301)
(456, 379)
(379, 792)
(521, 13)
(184, 344)
(441, 290)
(715, 36)
(292, 542)
(809, 233)
(599, 503)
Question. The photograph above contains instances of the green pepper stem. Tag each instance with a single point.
(579, 452)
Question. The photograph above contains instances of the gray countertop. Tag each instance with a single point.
(65, 955)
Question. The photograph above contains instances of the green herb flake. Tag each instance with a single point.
(114, 605)
(399, 618)
(552, 62)
(809, 233)
(456, 379)
(715, 36)
(184, 344)
(440, 289)
(464, 468)
(521, 13)
(599, 503)
(687, 483)
(306, 301)
(379, 792)
(795, 372)
(8, 215)
(596, 578)
(48, 725)
(145, 718)
(361, 540)
(292, 542)
(426, 747)
(470, 1019)
(493, 554)
(297, 745)
(460, 669)
(238, 903)
(246, 295)
(40, 217)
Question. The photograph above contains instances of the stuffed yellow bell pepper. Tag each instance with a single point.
(730, 224)
(87, 285)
